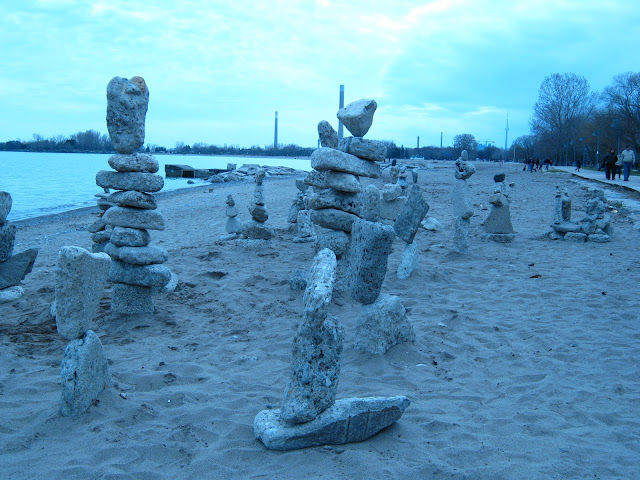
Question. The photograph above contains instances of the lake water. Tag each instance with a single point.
(45, 183)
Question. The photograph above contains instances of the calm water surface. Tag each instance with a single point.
(45, 183)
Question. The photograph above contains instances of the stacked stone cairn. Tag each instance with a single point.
(498, 222)
(255, 229)
(406, 226)
(13, 268)
(339, 199)
(233, 225)
(462, 205)
(393, 196)
(310, 414)
(136, 267)
(594, 227)
(80, 281)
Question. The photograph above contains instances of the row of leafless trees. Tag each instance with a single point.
(571, 122)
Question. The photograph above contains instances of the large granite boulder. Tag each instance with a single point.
(127, 103)
(357, 117)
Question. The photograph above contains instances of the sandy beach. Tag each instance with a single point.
(526, 363)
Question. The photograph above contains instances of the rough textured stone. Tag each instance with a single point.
(409, 261)
(372, 150)
(306, 231)
(134, 199)
(337, 241)
(84, 374)
(127, 102)
(144, 276)
(348, 420)
(131, 299)
(370, 203)
(255, 230)
(16, 268)
(134, 218)
(317, 347)
(233, 225)
(408, 222)
(371, 244)
(7, 240)
(343, 182)
(137, 255)
(129, 237)
(432, 224)
(258, 213)
(10, 294)
(391, 191)
(5, 206)
(135, 162)
(390, 210)
(461, 234)
(357, 116)
(500, 237)
(576, 237)
(330, 159)
(382, 325)
(333, 219)
(329, 198)
(565, 227)
(499, 177)
(563, 206)
(599, 238)
(102, 236)
(138, 181)
(464, 168)
(298, 280)
(328, 136)
(79, 285)
(461, 199)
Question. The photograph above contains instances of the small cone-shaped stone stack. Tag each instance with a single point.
(497, 224)
(233, 225)
(13, 268)
(136, 267)
(255, 229)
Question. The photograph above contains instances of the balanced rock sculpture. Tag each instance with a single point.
(310, 415)
(255, 229)
(462, 205)
(13, 268)
(596, 225)
(498, 222)
(136, 267)
(406, 226)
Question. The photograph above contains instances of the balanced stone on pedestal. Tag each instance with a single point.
(84, 374)
(382, 325)
(357, 116)
(408, 222)
(79, 285)
(127, 103)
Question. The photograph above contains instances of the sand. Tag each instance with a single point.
(526, 362)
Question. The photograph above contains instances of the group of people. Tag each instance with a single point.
(534, 165)
(616, 164)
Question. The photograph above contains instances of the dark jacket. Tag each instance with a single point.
(610, 159)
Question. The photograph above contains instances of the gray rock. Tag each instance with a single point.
(464, 168)
(408, 222)
(300, 185)
(98, 247)
(348, 420)
(599, 238)
(394, 173)
(233, 225)
(297, 205)
(230, 201)
(499, 177)
(390, 210)
(127, 102)
(7, 240)
(499, 220)
(391, 191)
(432, 224)
(231, 211)
(144, 276)
(10, 294)
(135, 162)
(15, 268)
(357, 116)
(370, 203)
(5, 206)
(461, 199)
(96, 226)
(79, 285)
(102, 236)
(84, 374)
(461, 234)
(372, 150)
(255, 230)
(329, 198)
(565, 227)
(409, 261)
(343, 182)
(562, 207)
(131, 299)
(259, 213)
(137, 255)
(337, 241)
(134, 218)
(317, 295)
(575, 237)
(298, 280)
(333, 219)
(500, 237)
(129, 237)
(258, 195)
(133, 199)
(305, 226)
(138, 181)
(382, 325)
(329, 159)
(371, 244)
(328, 136)
(414, 176)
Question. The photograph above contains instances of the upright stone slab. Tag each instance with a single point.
(409, 262)
(80, 281)
(408, 222)
(15, 268)
(357, 116)
(84, 374)
(382, 325)
(7, 240)
(5, 205)
(328, 136)
(371, 244)
(127, 103)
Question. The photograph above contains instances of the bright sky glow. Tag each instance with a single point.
(218, 70)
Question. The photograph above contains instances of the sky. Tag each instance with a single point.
(218, 70)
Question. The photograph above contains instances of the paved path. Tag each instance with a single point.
(632, 184)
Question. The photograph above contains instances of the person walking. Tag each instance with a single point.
(609, 163)
(628, 158)
(578, 165)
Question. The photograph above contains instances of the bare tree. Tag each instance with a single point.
(465, 141)
(623, 100)
(564, 103)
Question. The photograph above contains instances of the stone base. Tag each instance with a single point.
(500, 237)
(348, 420)
(130, 299)
(10, 294)
(84, 374)
(382, 325)
(409, 261)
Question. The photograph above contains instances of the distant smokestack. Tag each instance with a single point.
(440, 139)
(418, 144)
(340, 105)
(275, 134)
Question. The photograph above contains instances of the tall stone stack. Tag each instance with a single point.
(233, 224)
(462, 205)
(595, 226)
(80, 281)
(498, 222)
(136, 267)
(256, 229)
(310, 414)
(339, 199)
(393, 196)
(13, 268)
(406, 226)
